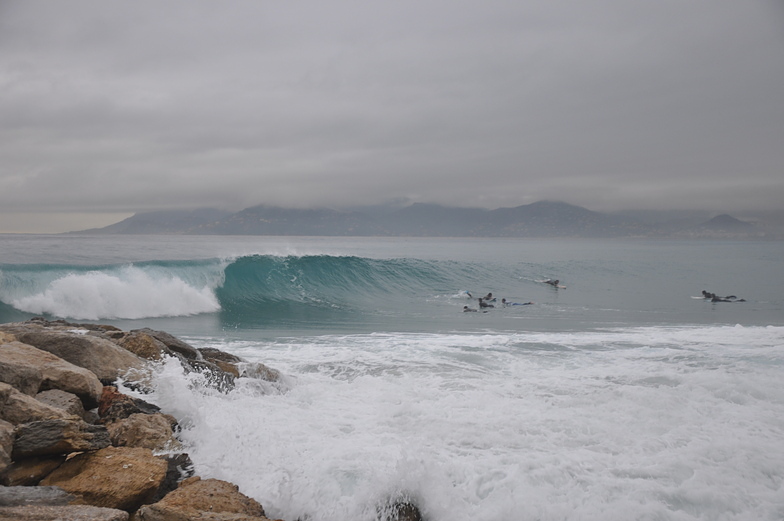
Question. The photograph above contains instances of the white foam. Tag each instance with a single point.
(128, 293)
(645, 423)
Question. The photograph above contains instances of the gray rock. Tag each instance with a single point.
(49, 437)
(18, 408)
(68, 402)
(21, 496)
(42, 370)
(103, 357)
(62, 513)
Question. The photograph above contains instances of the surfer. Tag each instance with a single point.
(553, 283)
(505, 303)
(715, 298)
(731, 298)
(466, 309)
(483, 304)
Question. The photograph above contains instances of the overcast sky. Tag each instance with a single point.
(112, 108)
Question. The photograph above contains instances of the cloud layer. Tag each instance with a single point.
(134, 106)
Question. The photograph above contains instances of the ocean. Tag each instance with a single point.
(621, 396)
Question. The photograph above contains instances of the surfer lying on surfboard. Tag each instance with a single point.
(554, 283)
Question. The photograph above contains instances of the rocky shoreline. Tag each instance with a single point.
(72, 447)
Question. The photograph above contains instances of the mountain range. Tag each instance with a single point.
(540, 219)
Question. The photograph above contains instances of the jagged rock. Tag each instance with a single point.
(115, 406)
(103, 357)
(215, 376)
(398, 510)
(18, 408)
(172, 342)
(47, 437)
(68, 402)
(259, 371)
(62, 513)
(202, 499)
(179, 468)
(144, 345)
(152, 431)
(20, 362)
(115, 477)
(30, 472)
(6, 443)
(21, 496)
(214, 355)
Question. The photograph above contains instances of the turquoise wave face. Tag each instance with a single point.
(248, 289)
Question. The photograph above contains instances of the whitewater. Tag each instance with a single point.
(619, 397)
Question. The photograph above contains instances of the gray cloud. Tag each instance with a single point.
(124, 107)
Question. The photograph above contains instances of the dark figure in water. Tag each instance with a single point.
(466, 309)
(715, 298)
(731, 298)
(552, 282)
(505, 303)
(483, 304)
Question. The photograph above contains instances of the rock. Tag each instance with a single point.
(21, 496)
(215, 355)
(48, 437)
(20, 370)
(103, 357)
(18, 408)
(174, 344)
(179, 468)
(398, 510)
(259, 371)
(6, 443)
(62, 513)
(30, 472)
(143, 345)
(115, 477)
(115, 406)
(203, 499)
(68, 402)
(214, 375)
(55, 373)
(152, 431)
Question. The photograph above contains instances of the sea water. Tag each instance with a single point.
(618, 397)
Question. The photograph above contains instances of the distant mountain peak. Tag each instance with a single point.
(726, 221)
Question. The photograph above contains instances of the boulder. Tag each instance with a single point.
(62, 513)
(259, 371)
(203, 499)
(152, 431)
(22, 361)
(21, 496)
(143, 345)
(115, 477)
(172, 343)
(30, 472)
(216, 355)
(103, 357)
(48, 437)
(179, 468)
(115, 406)
(18, 408)
(6, 443)
(68, 402)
